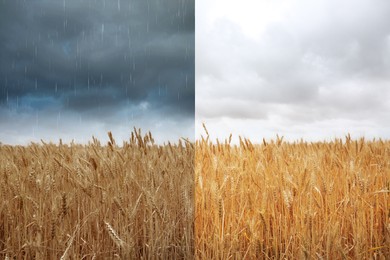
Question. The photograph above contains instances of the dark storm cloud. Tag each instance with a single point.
(98, 54)
(125, 46)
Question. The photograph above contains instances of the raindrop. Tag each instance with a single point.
(36, 84)
(56, 87)
(102, 31)
(119, 5)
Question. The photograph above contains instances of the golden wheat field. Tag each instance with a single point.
(278, 200)
(97, 201)
(140, 200)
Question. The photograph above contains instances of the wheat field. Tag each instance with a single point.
(95, 201)
(202, 200)
(278, 200)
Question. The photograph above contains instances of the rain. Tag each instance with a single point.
(84, 68)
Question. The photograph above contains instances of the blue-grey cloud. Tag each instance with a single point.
(93, 58)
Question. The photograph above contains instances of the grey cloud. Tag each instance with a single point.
(89, 55)
(231, 108)
(58, 44)
(310, 48)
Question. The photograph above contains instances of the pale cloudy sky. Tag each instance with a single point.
(315, 69)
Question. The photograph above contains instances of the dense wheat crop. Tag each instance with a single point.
(97, 202)
(325, 200)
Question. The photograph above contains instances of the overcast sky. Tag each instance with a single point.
(315, 69)
(71, 69)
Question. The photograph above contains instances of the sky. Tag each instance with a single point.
(73, 69)
(311, 69)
